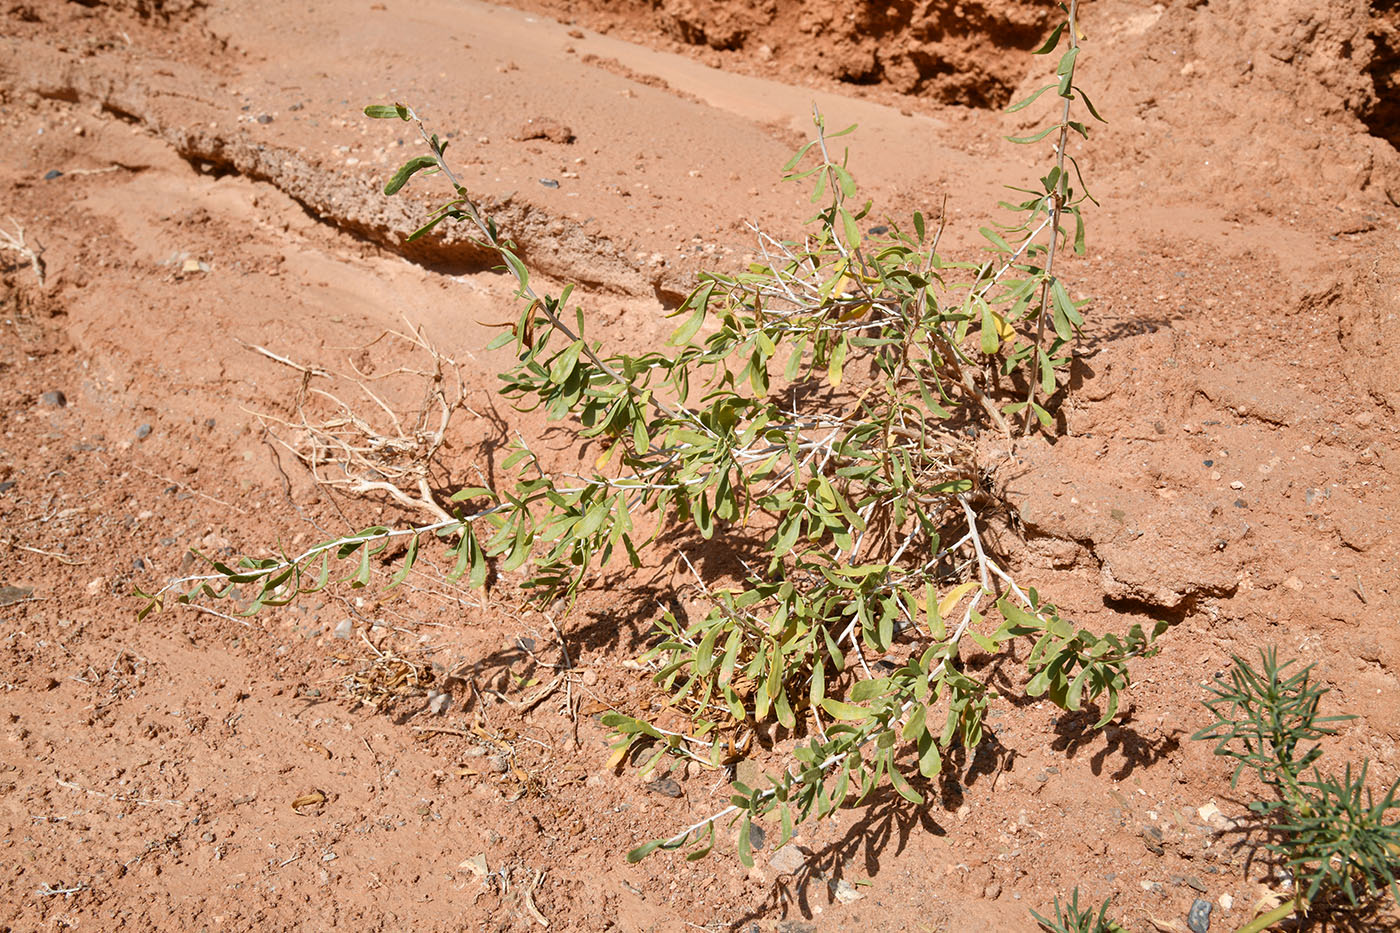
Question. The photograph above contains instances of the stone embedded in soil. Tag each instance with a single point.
(549, 182)
(343, 630)
(53, 399)
(51, 174)
(846, 893)
(1199, 917)
(545, 128)
(788, 859)
(665, 786)
(1149, 550)
(9, 595)
(143, 432)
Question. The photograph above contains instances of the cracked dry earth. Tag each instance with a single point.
(203, 194)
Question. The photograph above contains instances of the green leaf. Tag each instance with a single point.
(387, 112)
(849, 228)
(846, 711)
(522, 275)
(687, 330)
(360, 579)
(1090, 104)
(837, 362)
(990, 341)
(788, 531)
(1051, 41)
(408, 170)
(930, 761)
(792, 163)
(1037, 137)
(642, 851)
(1023, 104)
(1067, 60)
(919, 225)
(995, 239)
(844, 179)
(427, 227)
(564, 364)
(409, 557)
(704, 850)
(902, 786)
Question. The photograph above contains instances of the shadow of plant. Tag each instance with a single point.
(885, 820)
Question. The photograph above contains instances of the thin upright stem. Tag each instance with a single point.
(1057, 205)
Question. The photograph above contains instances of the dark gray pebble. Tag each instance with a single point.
(549, 182)
(665, 786)
(51, 174)
(53, 399)
(264, 118)
(143, 432)
(7, 485)
(1199, 917)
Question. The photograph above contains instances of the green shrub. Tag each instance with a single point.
(1332, 830)
(813, 404)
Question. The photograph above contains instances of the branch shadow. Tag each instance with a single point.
(1075, 732)
(888, 820)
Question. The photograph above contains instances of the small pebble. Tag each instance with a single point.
(549, 182)
(264, 118)
(143, 432)
(344, 629)
(51, 174)
(1199, 917)
(53, 399)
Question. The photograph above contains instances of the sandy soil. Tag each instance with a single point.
(199, 184)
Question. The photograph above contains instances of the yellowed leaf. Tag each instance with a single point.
(309, 801)
(955, 596)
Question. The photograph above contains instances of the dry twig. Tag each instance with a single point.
(390, 453)
(16, 243)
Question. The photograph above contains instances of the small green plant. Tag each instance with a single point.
(1071, 918)
(811, 407)
(1332, 830)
